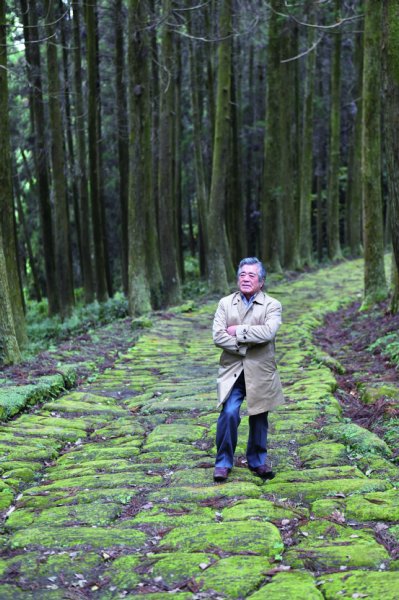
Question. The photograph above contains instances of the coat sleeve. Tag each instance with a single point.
(261, 334)
(220, 336)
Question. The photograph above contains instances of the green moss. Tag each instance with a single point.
(358, 438)
(196, 494)
(95, 514)
(261, 510)
(235, 576)
(74, 537)
(121, 573)
(360, 584)
(324, 545)
(323, 454)
(311, 491)
(245, 536)
(291, 585)
(180, 566)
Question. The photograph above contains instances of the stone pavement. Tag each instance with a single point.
(107, 491)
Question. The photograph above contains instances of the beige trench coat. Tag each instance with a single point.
(251, 349)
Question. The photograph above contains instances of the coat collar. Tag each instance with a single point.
(260, 298)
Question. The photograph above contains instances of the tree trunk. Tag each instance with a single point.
(375, 288)
(289, 137)
(354, 191)
(167, 224)
(334, 246)
(220, 266)
(94, 152)
(201, 188)
(391, 128)
(122, 134)
(306, 168)
(9, 349)
(81, 166)
(271, 210)
(33, 60)
(61, 217)
(7, 219)
(140, 185)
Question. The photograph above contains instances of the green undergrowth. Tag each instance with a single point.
(388, 345)
(44, 330)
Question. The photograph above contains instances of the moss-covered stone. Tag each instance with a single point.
(372, 392)
(323, 545)
(235, 576)
(61, 567)
(358, 438)
(323, 454)
(360, 584)
(284, 586)
(94, 514)
(311, 491)
(122, 574)
(262, 510)
(245, 536)
(179, 566)
(196, 494)
(74, 537)
(13, 592)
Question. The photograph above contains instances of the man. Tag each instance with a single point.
(245, 326)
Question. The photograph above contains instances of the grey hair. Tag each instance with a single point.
(252, 260)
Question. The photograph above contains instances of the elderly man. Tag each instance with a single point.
(245, 326)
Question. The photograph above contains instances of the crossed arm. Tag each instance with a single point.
(237, 338)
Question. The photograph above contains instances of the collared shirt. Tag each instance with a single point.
(248, 302)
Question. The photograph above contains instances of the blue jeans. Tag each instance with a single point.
(227, 430)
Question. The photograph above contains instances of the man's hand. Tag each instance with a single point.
(231, 330)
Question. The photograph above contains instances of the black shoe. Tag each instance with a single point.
(264, 472)
(221, 473)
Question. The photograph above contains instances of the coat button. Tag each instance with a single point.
(235, 374)
(245, 337)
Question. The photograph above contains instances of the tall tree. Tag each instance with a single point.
(9, 349)
(201, 187)
(61, 216)
(140, 184)
(391, 125)
(81, 164)
(272, 225)
(166, 204)
(289, 138)
(306, 167)
(354, 190)
(40, 149)
(333, 238)
(375, 288)
(7, 219)
(220, 265)
(94, 136)
(122, 133)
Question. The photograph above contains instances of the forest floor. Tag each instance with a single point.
(107, 490)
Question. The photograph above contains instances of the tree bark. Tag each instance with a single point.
(306, 169)
(61, 216)
(271, 209)
(81, 166)
(334, 246)
(140, 184)
(354, 189)
(220, 265)
(391, 128)
(34, 70)
(94, 152)
(7, 219)
(122, 134)
(375, 288)
(167, 223)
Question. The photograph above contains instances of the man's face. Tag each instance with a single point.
(248, 280)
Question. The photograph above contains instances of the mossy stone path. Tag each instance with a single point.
(107, 491)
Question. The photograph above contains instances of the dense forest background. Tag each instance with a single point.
(144, 142)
